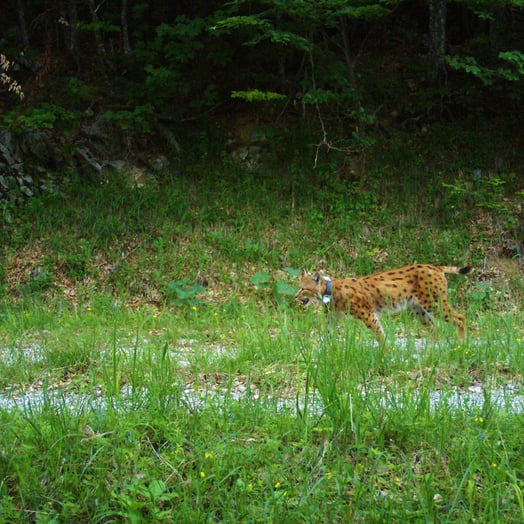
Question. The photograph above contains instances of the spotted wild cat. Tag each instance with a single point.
(420, 287)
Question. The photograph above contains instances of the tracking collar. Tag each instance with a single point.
(326, 297)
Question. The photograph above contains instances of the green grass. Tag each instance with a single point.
(129, 397)
(163, 418)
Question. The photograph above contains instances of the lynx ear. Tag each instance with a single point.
(316, 277)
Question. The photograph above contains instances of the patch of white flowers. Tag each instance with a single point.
(12, 85)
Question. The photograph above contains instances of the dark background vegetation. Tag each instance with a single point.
(369, 66)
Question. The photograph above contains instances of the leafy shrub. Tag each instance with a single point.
(511, 67)
(255, 95)
(40, 280)
(481, 296)
(47, 116)
(77, 90)
(280, 288)
(184, 293)
(139, 119)
(486, 192)
(77, 264)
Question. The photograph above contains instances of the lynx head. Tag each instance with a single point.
(309, 288)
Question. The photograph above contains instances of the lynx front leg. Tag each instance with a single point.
(361, 309)
(372, 322)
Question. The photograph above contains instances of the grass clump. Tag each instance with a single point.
(163, 373)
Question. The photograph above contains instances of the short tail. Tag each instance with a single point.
(456, 270)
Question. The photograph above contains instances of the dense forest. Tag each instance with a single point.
(93, 79)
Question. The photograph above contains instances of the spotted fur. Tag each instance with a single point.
(420, 287)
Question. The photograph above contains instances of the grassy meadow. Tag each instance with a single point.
(154, 368)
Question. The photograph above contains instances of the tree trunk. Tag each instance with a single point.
(101, 51)
(126, 46)
(21, 22)
(437, 35)
(73, 35)
(346, 48)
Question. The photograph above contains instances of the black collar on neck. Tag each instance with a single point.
(326, 297)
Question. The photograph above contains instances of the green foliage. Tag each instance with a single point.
(41, 280)
(98, 26)
(486, 9)
(281, 288)
(137, 500)
(140, 119)
(178, 64)
(3, 278)
(330, 59)
(372, 11)
(486, 192)
(481, 55)
(470, 65)
(261, 279)
(516, 60)
(488, 76)
(180, 41)
(233, 23)
(481, 297)
(77, 264)
(349, 202)
(260, 29)
(77, 90)
(47, 116)
(255, 95)
(184, 293)
(329, 80)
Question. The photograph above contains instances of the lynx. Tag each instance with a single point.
(420, 287)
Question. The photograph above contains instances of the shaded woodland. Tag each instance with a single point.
(95, 80)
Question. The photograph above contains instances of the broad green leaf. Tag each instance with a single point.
(261, 278)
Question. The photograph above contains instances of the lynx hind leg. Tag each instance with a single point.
(453, 317)
(460, 322)
(422, 314)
